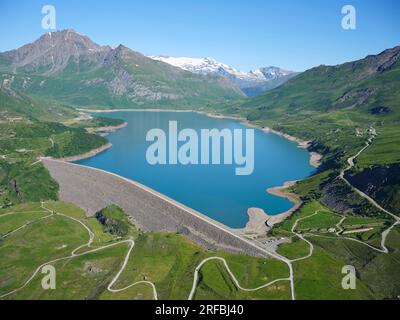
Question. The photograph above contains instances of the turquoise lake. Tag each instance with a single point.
(214, 190)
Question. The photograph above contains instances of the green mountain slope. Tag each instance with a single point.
(336, 107)
(360, 85)
(30, 128)
(72, 69)
(14, 104)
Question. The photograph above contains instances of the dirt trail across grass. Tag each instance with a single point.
(73, 254)
(198, 268)
(338, 234)
(351, 164)
(93, 188)
(288, 262)
(131, 245)
(385, 233)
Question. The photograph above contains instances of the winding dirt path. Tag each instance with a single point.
(338, 234)
(131, 245)
(197, 270)
(351, 164)
(73, 254)
(25, 224)
(199, 217)
(385, 233)
(311, 246)
(287, 261)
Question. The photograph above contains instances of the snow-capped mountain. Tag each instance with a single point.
(204, 66)
(270, 73)
(251, 83)
(119, 76)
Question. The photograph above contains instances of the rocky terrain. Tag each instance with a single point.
(381, 183)
(92, 190)
(70, 68)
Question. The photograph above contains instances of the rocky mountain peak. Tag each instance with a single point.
(53, 50)
(272, 72)
(251, 83)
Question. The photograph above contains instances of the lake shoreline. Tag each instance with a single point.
(88, 154)
(283, 192)
(280, 191)
(315, 158)
(149, 209)
(91, 153)
(106, 130)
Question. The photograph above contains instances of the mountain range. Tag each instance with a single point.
(251, 83)
(337, 108)
(69, 67)
(348, 113)
(369, 86)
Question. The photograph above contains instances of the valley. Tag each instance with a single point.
(146, 247)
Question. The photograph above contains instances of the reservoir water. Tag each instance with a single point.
(214, 190)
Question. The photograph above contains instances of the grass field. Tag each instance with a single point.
(211, 286)
(375, 270)
(22, 178)
(168, 260)
(25, 250)
(386, 145)
(319, 276)
(297, 248)
(320, 222)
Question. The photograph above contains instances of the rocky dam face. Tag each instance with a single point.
(93, 189)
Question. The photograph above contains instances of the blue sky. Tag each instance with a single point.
(292, 34)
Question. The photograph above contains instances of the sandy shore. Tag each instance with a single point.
(221, 116)
(256, 226)
(283, 192)
(260, 222)
(210, 115)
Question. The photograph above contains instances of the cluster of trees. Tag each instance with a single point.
(78, 142)
(112, 225)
